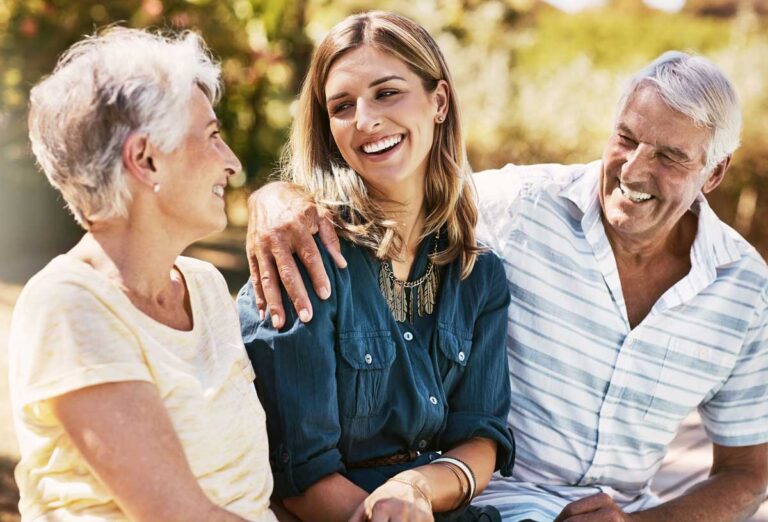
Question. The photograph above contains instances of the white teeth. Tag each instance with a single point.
(634, 196)
(382, 144)
(218, 190)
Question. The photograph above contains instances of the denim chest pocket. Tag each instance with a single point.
(454, 351)
(364, 370)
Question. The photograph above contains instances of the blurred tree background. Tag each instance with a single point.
(536, 84)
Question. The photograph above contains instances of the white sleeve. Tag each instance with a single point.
(63, 338)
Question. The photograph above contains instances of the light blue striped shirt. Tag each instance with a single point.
(595, 403)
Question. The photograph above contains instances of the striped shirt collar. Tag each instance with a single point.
(713, 246)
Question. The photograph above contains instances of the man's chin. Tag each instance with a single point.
(619, 220)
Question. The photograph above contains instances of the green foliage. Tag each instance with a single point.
(611, 38)
(260, 43)
(535, 84)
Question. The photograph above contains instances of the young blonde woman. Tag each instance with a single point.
(131, 388)
(390, 404)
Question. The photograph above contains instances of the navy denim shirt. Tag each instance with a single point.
(354, 384)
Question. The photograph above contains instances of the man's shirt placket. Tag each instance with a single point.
(606, 416)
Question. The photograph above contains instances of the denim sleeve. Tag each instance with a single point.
(296, 381)
(479, 405)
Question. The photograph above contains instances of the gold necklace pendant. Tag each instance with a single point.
(404, 296)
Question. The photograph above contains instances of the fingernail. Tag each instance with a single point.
(275, 321)
(325, 292)
(343, 263)
(261, 314)
(304, 315)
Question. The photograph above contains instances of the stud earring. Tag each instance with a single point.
(440, 119)
(156, 188)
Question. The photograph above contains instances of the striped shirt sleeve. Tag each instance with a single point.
(737, 415)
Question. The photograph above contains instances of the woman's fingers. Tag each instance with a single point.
(396, 510)
(358, 515)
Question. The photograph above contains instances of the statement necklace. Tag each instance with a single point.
(400, 294)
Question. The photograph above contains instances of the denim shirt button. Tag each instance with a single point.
(408, 336)
(461, 356)
(422, 444)
(433, 399)
(368, 358)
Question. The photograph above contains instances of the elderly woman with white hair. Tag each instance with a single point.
(132, 392)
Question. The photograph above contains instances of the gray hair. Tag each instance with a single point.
(104, 88)
(695, 87)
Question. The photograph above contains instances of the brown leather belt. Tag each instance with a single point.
(400, 457)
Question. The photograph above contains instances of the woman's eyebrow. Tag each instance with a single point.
(385, 79)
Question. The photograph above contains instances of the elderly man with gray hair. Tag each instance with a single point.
(632, 304)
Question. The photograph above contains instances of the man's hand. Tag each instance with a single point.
(733, 492)
(281, 221)
(594, 508)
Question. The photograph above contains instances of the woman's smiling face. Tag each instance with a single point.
(383, 119)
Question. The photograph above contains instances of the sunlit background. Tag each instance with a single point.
(537, 82)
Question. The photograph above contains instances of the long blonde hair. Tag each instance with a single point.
(313, 160)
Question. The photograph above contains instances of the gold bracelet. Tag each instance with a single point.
(414, 486)
(464, 490)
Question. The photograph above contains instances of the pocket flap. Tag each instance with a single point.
(368, 352)
(456, 347)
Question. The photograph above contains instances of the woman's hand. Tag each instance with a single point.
(281, 222)
(400, 499)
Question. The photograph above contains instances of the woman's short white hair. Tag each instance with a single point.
(694, 86)
(104, 88)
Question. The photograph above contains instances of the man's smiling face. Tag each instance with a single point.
(653, 168)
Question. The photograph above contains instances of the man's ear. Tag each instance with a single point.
(137, 159)
(716, 176)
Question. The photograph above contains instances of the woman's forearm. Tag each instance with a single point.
(333, 498)
(442, 485)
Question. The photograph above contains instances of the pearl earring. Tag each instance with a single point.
(156, 188)
(439, 119)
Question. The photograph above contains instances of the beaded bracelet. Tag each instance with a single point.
(467, 473)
